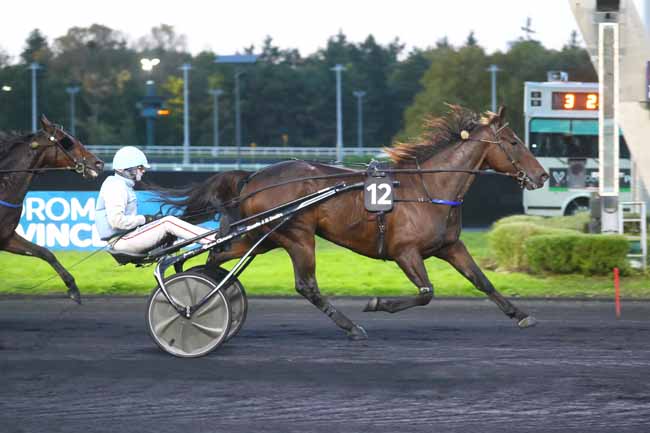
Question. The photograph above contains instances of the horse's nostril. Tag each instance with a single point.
(543, 178)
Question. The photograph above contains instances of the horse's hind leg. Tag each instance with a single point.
(301, 249)
(19, 245)
(458, 256)
(413, 266)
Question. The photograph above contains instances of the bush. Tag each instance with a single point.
(577, 222)
(507, 242)
(577, 253)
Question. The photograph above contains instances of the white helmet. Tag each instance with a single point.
(129, 156)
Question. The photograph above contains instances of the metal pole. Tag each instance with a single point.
(34, 67)
(215, 115)
(72, 91)
(186, 113)
(339, 113)
(359, 94)
(237, 119)
(493, 69)
(151, 91)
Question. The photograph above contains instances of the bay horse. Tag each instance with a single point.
(414, 230)
(23, 156)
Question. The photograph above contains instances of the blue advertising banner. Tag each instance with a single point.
(65, 220)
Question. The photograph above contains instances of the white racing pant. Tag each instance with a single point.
(149, 236)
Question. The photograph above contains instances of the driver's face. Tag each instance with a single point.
(139, 172)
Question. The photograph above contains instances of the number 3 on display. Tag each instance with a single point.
(378, 194)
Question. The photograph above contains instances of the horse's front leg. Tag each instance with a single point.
(458, 256)
(413, 266)
(19, 245)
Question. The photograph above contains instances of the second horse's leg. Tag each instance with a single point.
(458, 256)
(413, 266)
(19, 245)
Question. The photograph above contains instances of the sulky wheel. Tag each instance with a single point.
(197, 336)
(234, 292)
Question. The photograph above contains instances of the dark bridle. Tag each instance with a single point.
(521, 176)
(65, 145)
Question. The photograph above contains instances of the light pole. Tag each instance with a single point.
(147, 66)
(6, 88)
(359, 94)
(215, 115)
(72, 91)
(34, 67)
(493, 69)
(186, 113)
(237, 59)
(339, 113)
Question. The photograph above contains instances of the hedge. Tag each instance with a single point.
(577, 253)
(506, 241)
(577, 222)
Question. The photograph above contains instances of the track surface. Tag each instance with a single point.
(454, 366)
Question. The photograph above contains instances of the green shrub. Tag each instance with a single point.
(552, 253)
(577, 222)
(506, 241)
(576, 253)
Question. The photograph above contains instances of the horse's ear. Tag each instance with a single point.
(45, 123)
(501, 114)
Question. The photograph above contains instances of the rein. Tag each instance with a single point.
(238, 200)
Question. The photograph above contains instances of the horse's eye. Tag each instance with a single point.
(514, 142)
(66, 143)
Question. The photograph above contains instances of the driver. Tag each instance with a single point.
(116, 211)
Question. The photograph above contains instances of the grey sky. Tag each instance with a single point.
(228, 26)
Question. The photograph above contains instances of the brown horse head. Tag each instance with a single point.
(506, 152)
(62, 150)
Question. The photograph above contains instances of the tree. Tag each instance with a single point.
(4, 58)
(163, 38)
(97, 59)
(456, 76)
(37, 48)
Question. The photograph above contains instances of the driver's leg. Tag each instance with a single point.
(153, 234)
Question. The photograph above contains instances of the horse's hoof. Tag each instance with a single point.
(527, 322)
(357, 333)
(372, 305)
(75, 295)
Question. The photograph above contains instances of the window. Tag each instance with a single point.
(562, 138)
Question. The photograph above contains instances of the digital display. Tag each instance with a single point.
(574, 101)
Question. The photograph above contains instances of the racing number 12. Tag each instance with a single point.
(383, 200)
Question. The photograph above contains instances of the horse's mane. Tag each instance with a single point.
(8, 140)
(437, 134)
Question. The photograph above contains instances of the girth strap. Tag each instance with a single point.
(381, 233)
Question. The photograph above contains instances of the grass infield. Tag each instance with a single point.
(339, 271)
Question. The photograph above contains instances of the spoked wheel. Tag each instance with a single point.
(235, 293)
(197, 336)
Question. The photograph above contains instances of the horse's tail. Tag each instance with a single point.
(200, 202)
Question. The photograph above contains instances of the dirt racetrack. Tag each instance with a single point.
(454, 366)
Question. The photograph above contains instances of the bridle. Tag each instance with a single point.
(521, 176)
(63, 144)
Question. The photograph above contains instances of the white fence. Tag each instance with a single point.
(207, 158)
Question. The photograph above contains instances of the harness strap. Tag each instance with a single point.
(10, 205)
(446, 202)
